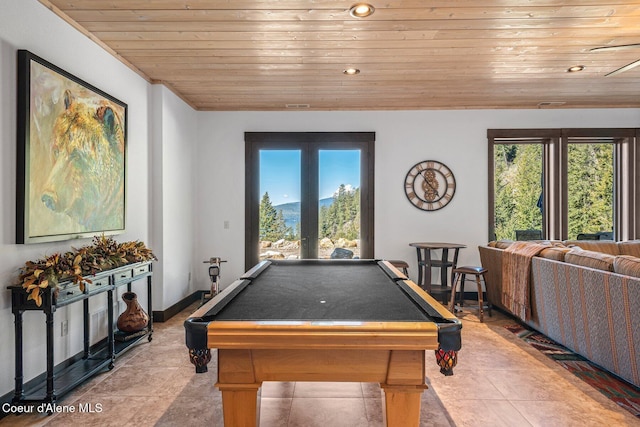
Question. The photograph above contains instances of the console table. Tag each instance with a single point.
(71, 373)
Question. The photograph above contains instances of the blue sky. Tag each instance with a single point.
(280, 173)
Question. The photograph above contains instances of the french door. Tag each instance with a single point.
(308, 195)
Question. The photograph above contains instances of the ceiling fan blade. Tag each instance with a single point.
(619, 47)
(623, 69)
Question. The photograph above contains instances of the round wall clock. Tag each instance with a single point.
(430, 185)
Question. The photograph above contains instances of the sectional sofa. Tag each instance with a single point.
(582, 294)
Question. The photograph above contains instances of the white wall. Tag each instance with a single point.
(403, 138)
(172, 212)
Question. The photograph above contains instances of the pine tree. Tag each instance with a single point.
(590, 184)
(272, 225)
(341, 219)
(517, 188)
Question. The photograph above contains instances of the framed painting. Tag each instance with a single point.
(72, 140)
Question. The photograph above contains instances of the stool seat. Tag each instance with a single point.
(400, 265)
(459, 274)
(470, 270)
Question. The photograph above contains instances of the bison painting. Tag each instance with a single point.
(75, 158)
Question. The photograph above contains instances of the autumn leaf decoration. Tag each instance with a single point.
(103, 254)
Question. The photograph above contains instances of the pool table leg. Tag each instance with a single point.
(240, 404)
(240, 388)
(402, 405)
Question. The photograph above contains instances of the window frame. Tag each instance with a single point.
(626, 200)
(310, 143)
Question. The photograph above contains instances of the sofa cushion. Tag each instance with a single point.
(503, 244)
(556, 253)
(631, 247)
(548, 242)
(593, 259)
(605, 246)
(627, 265)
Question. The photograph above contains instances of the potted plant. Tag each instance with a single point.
(104, 253)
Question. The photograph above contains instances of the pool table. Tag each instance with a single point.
(322, 320)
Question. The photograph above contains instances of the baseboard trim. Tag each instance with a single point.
(163, 316)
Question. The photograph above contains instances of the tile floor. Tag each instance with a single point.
(499, 381)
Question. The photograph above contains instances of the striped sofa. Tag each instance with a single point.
(585, 297)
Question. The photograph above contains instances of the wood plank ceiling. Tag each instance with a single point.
(412, 54)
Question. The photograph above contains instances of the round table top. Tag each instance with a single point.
(437, 245)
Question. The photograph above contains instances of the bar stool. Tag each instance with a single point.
(400, 265)
(460, 276)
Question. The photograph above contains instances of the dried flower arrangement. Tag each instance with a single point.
(104, 253)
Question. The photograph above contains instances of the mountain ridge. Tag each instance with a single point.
(291, 210)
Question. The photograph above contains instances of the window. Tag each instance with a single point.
(517, 187)
(328, 178)
(589, 188)
(563, 184)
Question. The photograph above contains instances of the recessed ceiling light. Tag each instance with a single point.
(575, 68)
(351, 71)
(361, 10)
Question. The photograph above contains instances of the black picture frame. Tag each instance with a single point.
(71, 155)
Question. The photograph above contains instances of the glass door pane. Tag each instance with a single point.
(280, 218)
(339, 203)
(518, 199)
(590, 191)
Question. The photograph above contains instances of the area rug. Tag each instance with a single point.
(624, 394)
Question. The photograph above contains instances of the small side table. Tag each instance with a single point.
(426, 262)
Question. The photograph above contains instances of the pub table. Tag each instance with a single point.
(426, 262)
